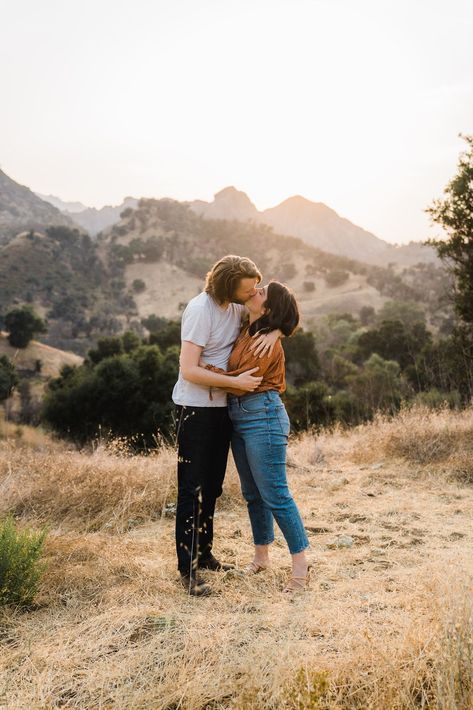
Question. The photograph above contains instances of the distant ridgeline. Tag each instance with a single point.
(152, 261)
(21, 209)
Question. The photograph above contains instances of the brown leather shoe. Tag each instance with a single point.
(214, 565)
(195, 586)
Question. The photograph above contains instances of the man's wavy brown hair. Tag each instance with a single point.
(281, 312)
(224, 277)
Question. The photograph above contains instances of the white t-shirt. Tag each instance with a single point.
(214, 328)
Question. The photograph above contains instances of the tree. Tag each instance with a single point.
(154, 323)
(22, 324)
(8, 378)
(394, 341)
(167, 336)
(367, 315)
(336, 277)
(138, 285)
(377, 386)
(309, 405)
(302, 358)
(122, 393)
(455, 214)
(408, 312)
(106, 347)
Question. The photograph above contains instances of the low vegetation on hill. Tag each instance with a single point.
(385, 623)
(346, 371)
(154, 259)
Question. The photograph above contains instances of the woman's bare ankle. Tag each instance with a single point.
(300, 565)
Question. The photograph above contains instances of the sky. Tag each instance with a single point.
(354, 103)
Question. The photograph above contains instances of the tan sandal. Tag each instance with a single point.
(254, 568)
(296, 585)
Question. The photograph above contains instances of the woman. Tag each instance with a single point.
(260, 433)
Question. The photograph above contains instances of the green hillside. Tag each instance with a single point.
(163, 232)
(154, 260)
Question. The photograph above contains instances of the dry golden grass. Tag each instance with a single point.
(386, 624)
(99, 491)
(34, 437)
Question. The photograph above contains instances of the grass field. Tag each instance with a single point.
(387, 623)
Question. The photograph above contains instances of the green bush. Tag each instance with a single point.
(20, 565)
(138, 286)
(308, 406)
(22, 325)
(336, 277)
(435, 399)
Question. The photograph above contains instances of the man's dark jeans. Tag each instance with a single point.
(203, 437)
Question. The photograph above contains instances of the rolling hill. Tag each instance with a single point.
(155, 257)
(36, 365)
(21, 209)
(189, 243)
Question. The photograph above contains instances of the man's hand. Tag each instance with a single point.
(263, 344)
(246, 381)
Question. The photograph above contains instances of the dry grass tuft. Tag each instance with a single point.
(101, 491)
(34, 437)
(436, 440)
(387, 624)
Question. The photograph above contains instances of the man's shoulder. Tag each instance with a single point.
(198, 303)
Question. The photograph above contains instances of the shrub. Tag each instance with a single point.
(20, 566)
(8, 377)
(308, 406)
(336, 277)
(286, 271)
(22, 325)
(138, 286)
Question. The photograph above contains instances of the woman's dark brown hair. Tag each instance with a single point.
(224, 277)
(281, 311)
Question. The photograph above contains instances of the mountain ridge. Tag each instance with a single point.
(21, 209)
(316, 224)
(92, 219)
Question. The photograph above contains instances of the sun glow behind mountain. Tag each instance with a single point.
(357, 105)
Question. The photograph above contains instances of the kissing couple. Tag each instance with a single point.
(231, 375)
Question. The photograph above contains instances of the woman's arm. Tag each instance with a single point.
(189, 364)
(264, 343)
(248, 360)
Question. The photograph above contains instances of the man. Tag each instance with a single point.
(210, 326)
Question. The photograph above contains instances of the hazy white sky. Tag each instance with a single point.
(355, 103)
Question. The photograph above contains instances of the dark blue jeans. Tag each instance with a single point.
(259, 442)
(203, 437)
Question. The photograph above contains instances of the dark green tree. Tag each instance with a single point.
(124, 394)
(167, 336)
(454, 212)
(309, 406)
(302, 358)
(22, 324)
(106, 347)
(8, 378)
(393, 341)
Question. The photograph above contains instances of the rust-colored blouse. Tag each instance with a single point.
(271, 368)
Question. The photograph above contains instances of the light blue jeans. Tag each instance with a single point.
(259, 441)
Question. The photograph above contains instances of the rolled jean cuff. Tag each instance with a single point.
(302, 549)
(264, 542)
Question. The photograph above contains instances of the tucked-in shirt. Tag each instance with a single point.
(271, 367)
(215, 329)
